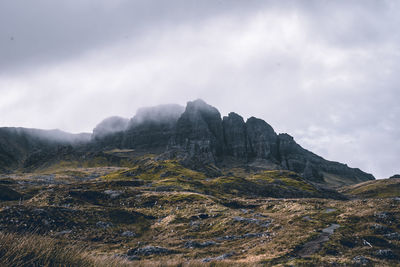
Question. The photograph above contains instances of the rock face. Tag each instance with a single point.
(235, 135)
(262, 140)
(152, 128)
(196, 136)
(199, 132)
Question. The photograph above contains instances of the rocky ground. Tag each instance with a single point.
(160, 213)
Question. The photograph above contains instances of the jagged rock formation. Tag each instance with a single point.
(199, 138)
(199, 133)
(235, 136)
(263, 141)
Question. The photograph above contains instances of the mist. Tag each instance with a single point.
(167, 113)
(109, 126)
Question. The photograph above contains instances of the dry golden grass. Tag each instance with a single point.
(34, 250)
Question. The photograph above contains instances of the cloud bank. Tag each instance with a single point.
(322, 71)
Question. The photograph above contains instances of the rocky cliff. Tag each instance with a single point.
(197, 136)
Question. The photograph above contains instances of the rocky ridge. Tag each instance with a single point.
(196, 135)
(199, 136)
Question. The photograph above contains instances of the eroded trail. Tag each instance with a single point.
(316, 244)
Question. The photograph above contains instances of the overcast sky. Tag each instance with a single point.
(326, 72)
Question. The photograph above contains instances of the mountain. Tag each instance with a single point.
(21, 146)
(186, 186)
(196, 135)
(199, 137)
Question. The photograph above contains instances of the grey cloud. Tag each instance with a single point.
(41, 31)
(323, 71)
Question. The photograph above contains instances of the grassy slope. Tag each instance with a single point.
(383, 188)
(165, 204)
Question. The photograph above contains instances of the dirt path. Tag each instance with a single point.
(315, 245)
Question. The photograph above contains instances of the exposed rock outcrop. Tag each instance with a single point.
(195, 135)
(152, 127)
(235, 135)
(262, 140)
(199, 133)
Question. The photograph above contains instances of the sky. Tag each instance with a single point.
(326, 72)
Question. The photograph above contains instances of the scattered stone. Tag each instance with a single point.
(219, 258)
(361, 260)
(262, 223)
(224, 256)
(248, 235)
(307, 218)
(380, 229)
(331, 229)
(392, 236)
(194, 244)
(39, 211)
(148, 250)
(366, 243)
(64, 232)
(113, 193)
(201, 216)
(385, 254)
(128, 234)
(195, 225)
(103, 225)
(330, 210)
(132, 258)
(252, 235)
(381, 215)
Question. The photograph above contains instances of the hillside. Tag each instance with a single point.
(177, 186)
(151, 212)
(383, 188)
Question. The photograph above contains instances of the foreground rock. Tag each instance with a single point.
(219, 258)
